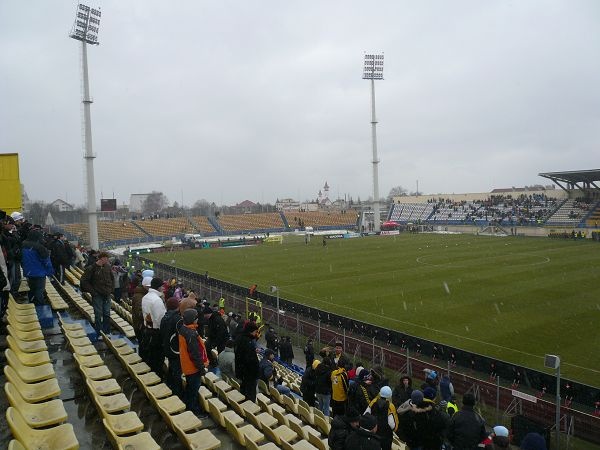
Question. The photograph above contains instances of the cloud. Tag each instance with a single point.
(233, 100)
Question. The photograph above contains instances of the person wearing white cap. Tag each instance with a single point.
(153, 310)
(498, 440)
(384, 411)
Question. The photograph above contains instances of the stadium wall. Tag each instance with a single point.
(407, 354)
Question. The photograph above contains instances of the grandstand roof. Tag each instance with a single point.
(574, 176)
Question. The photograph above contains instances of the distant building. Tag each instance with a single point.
(287, 204)
(246, 206)
(61, 205)
(136, 202)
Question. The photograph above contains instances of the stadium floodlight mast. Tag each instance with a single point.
(85, 30)
(373, 70)
(553, 362)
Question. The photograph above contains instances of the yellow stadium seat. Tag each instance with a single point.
(28, 359)
(186, 421)
(125, 423)
(244, 433)
(34, 335)
(279, 434)
(28, 346)
(104, 387)
(172, 405)
(254, 446)
(89, 361)
(37, 415)
(200, 440)
(300, 445)
(15, 445)
(148, 379)
(96, 373)
(29, 374)
(139, 368)
(87, 350)
(160, 390)
(60, 437)
(27, 326)
(141, 441)
(132, 358)
(35, 392)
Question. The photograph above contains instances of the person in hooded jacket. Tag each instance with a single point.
(169, 334)
(382, 408)
(362, 390)
(217, 333)
(193, 359)
(309, 383)
(365, 436)
(36, 266)
(246, 361)
(422, 425)
(402, 391)
(323, 384)
(341, 427)
(467, 428)
(446, 388)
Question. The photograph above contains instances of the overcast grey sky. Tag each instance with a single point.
(233, 100)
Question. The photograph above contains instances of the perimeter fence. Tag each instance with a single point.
(397, 353)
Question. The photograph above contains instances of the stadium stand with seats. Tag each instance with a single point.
(322, 219)
(175, 226)
(251, 222)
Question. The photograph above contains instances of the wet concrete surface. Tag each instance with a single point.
(82, 413)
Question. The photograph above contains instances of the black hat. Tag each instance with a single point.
(207, 310)
(468, 399)
(367, 422)
(189, 316)
(269, 352)
(250, 327)
(156, 283)
(352, 414)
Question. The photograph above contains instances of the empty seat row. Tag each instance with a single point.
(36, 417)
(123, 425)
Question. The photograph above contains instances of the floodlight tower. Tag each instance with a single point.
(373, 70)
(85, 30)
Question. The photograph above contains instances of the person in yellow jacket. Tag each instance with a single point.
(339, 391)
(384, 411)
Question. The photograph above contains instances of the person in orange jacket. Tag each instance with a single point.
(194, 360)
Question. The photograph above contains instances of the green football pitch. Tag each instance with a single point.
(513, 299)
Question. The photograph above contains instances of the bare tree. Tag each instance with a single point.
(396, 191)
(154, 203)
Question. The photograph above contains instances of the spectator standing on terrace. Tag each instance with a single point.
(287, 351)
(309, 383)
(97, 280)
(340, 359)
(119, 273)
(339, 391)
(341, 427)
(36, 266)
(169, 329)
(402, 391)
(272, 340)
(467, 428)
(384, 411)
(323, 381)
(309, 353)
(188, 302)
(217, 333)
(227, 360)
(4, 285)
(446, 388)
(193, 360)
(61, 257)
(246, 361)
(11, 246)
(142, 284)
(153, 310)
(232, 324)
(365, 436)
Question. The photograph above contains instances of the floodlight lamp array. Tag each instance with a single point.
(373, 69)
(87, 23)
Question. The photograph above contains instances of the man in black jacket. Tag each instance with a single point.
(402, 391)
(309, 353)
(467, 428)
(216, 334)
(169, 329)
(365, 436)
(97, 280)
(246, 361)
(60, 257)
(341, 427)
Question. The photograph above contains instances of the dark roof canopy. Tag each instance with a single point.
(573, 176)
